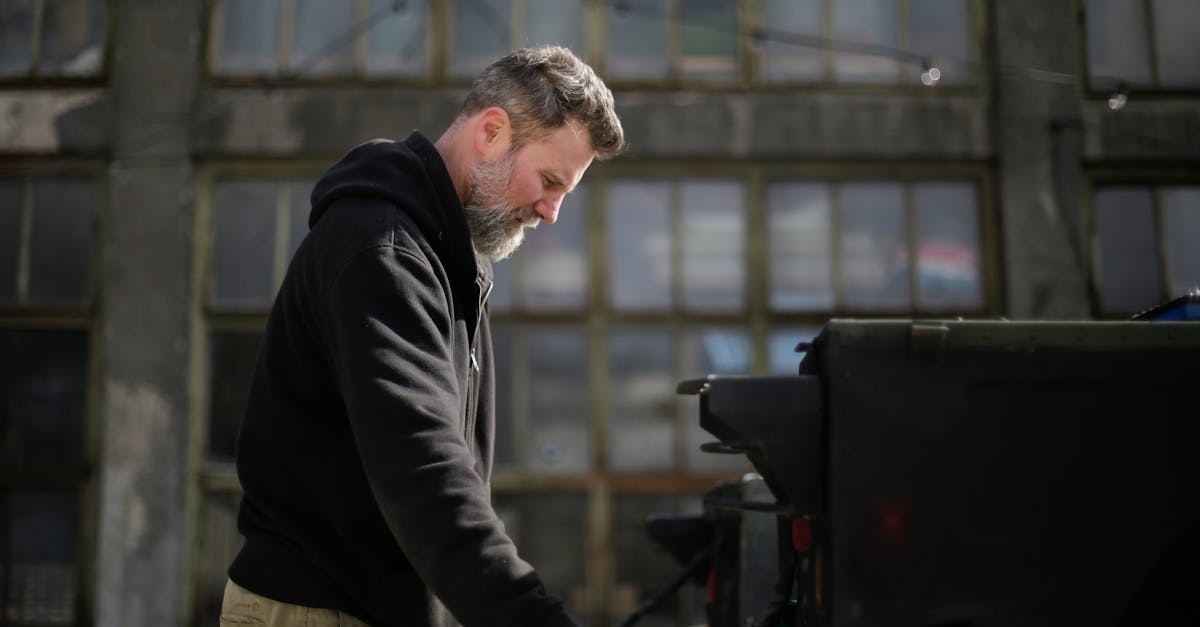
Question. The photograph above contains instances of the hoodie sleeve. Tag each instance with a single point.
(390, 352)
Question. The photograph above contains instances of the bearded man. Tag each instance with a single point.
(366, 445)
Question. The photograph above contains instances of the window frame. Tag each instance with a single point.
(34, 75)
(598, 483)
(20, 317)
(1108, 85)
(1151, 180)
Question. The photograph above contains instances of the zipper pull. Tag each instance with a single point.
(474, 363)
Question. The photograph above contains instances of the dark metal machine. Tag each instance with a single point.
(962, 473)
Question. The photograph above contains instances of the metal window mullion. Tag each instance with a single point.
(903, 43)
(517, 23)
(287, 29)
(519, 409)
(25, 242)
(757, 255)
(1151, 47)
(678, 334)
(675, 211)
(835, 229)
(595, 34)
(910, 228)
(827, 52)
(599, 571)
(283, 225)
(1160, 243)
(362, 13)
(35, 41)
(674, 18)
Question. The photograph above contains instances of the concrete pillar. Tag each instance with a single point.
(154, 71)
(1035, 122)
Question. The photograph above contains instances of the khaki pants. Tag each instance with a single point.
(242, 607)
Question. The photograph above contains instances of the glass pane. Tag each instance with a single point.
(639, 219)
(709, 38)
(10, 239)
(323, 41)
(801, 236)
(219, 543)
(865, 23)
(61, 241)
(16, 33)
(43, 399)
(503, 282)
(42, 543)
(714, 245)
(396, 45)
(938, 30)
(874, 247)
(637, 40)
(300, 206)
(248, 36)
(1128, 255)
(554, 22)
(243, 243)
(1116, 37)
(72, 37)
(232, 357)
(641, 402)
(1176, 45)
(481, 35)
(782, 357)
(948, 270)
(508, 432)
(705, 352)
(553, 259)
(1181, 224)
(643, 568)
(550, 531)
(557, 389)
(786, 25)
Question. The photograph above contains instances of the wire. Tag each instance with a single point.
(153, 136)
(494, 21)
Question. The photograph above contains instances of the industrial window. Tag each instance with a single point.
(46, 253)
(314, 38)
(660, 39)
(484, 30)
(875, 246)
(1145, 250)
(649, 277)
(250, 230)
(867, 41)
(677, 245)
(1143, 43)
(52, 38)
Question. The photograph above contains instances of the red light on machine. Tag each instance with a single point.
(802, 534)
(892, 531)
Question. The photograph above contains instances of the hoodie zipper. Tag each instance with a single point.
(479, 320)
(473, 373)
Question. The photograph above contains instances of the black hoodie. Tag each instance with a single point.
(366, 446)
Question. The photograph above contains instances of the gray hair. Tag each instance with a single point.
(544, 88)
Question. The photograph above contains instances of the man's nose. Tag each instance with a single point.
(547, 207)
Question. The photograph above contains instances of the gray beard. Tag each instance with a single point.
(490, 218)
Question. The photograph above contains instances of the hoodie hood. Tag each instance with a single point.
(411, 175)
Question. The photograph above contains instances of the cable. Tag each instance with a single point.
(699, 561)
(623, 7)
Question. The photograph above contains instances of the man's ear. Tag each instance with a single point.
(493, 134)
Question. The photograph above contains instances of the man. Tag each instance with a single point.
(366, 446)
